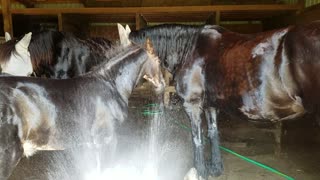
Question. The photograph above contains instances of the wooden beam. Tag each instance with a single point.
(157, 10)
(27, 3)
(7, 18)
(140, 22)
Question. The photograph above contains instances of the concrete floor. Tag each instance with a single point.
(300, 156)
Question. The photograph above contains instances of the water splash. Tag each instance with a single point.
(122, 173)
(149, 171)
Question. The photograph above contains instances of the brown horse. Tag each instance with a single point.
(270, 75)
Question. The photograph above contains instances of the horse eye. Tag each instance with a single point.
(165, 64)
(61, 73)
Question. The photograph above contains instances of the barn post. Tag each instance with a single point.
(7, 18)
(140, 22)
(217, 18)
(60, 22)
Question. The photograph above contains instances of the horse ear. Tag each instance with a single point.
(7, 36)
(123, 35)
(128, 30)
(24, 42)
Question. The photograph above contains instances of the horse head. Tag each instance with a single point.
(19, 62)
(153, 71)
(172, 43)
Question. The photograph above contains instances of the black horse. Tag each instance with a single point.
(49, 114)
(57, 54)
(270, 75)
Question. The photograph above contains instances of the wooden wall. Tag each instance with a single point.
(307, 15)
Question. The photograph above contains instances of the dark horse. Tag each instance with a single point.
(48, 114)
(57, 54)
(270, 75)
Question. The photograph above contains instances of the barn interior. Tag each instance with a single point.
(290, 147)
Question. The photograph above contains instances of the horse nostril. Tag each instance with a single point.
(60, 74)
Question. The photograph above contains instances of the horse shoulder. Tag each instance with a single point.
(191, 81)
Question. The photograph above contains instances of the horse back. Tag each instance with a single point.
(232, 65)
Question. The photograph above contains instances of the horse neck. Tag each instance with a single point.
(126, 72)
(172, 43)
(95, 48)
(176, 53)
(95, 56)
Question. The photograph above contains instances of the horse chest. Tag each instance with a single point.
(191, 82)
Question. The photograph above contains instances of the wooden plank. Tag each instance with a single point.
(27, 3)
(7, 18)
(155, 10)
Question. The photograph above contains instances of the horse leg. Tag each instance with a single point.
(216, 165)
(193, 110)
(105, 141)
(11, 150)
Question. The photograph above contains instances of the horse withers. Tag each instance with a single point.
(48, 114)
(270, 75)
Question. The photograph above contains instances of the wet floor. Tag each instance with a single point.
(299, 157)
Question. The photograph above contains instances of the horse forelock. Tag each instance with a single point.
(172, 42)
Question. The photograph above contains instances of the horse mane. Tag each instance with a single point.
(44, 47)
(113, 58)
(98, 44)
(168, 38)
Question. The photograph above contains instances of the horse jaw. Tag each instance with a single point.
(158, 83)
(7, 36)
(124, 35)
(19, 63)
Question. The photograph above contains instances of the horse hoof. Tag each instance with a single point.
(215, 169)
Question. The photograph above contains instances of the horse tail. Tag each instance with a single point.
(301, 49)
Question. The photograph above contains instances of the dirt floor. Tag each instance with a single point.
(170, 148)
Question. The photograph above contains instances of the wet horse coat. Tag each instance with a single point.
(57, 54)
(47, 114)
(270, 75)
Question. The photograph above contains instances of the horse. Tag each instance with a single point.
(54, 114)
(55, 54)
(271, 75)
